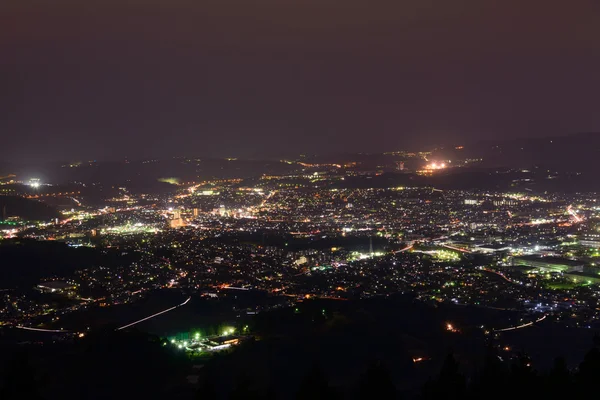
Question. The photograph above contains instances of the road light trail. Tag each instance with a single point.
(456, 248)
(404, 249)
(573, 213)
(491, 271)
(512, 328)
(42, 330)
(154, 315)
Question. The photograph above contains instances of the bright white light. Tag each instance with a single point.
(435, 166)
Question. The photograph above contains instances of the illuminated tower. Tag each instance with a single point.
(176, 221)
(370, 246)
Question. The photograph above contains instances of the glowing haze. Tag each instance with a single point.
(109, 79)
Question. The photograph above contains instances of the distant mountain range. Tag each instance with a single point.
(573, 153)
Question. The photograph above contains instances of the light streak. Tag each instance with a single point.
(404, 249)
(154, 315)
(573, 214)
(456, 248)
(512, 328)
(499, 274)
(42, 330)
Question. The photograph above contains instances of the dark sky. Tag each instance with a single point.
(261, 77)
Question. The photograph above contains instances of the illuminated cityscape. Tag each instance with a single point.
(299, 200)
(280, 241)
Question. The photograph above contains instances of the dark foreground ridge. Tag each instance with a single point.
(131, 364)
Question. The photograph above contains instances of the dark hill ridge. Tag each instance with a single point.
(497, 179)
(574, 153)
(27, 209)
(24, 262)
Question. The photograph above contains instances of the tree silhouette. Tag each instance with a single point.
(589, 371)
(314, 386)
(245, 389)
(376, 383)
(19, 379)
(523, 378)
(250, 384)
(450, 384)
(130, 363)
(558, 381)
(207, 388)
(491, 382)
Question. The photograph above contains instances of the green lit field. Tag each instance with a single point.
(568, 284)
(439, 253)
(560, 285)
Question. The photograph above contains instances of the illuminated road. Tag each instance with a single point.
(410, 246)
(500, 275)
(154, 315)
(573, 213)
(512, 328)
(42, 330)
(456, 248)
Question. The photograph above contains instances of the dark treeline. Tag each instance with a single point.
(497, 379)
(105, 369)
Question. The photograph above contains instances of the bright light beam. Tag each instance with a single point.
(42, 330)
(154, 315)
(512, 328)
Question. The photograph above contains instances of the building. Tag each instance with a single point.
(590, 240)
(223, 212)
(505, 202)
(301, 261)
(549, 264)
(175, 220)
(58, 287)
(492, 248)
(176, 223)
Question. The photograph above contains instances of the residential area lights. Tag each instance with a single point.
(536, 254)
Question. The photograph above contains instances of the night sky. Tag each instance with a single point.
(255, 78)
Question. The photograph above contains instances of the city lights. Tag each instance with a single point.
(435, 166)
